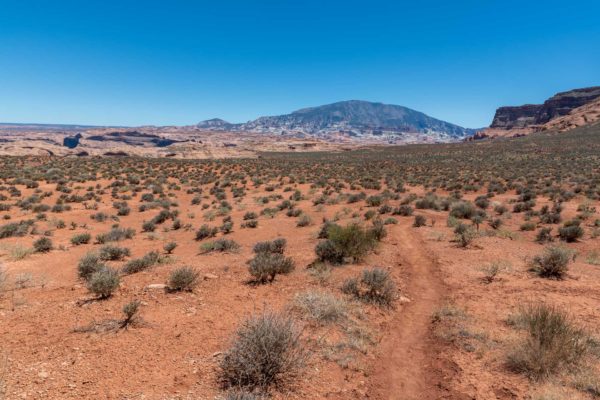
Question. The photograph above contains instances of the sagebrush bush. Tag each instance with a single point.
(88, 265)
(403, 210)
(304, 220)
(113, 253)
(544, 235)
(169, 247)
(374, 286)
(463, 210)
(351, 241)
(42, 245)
(81, 238)
(103, 282)
(140, 264)
(206, 232)
(553, 263)
(571, 231)
(464, 234)
(183, 279)
(420, 220)
(15, 229)
(552, 345)
(219, 245)
(115, 235)
(265, 266)
(320, 306)
(130, 313)
(266, 352)
(274, 246)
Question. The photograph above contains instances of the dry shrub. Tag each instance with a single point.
(553, 263)
(320, 306)
(88, 265)
(552, 344)
(374, 286)
(266, 352)
(104, 282)
(183, 279)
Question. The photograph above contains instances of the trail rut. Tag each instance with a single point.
(410, 366)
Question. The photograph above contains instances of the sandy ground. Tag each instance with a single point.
(173, 353)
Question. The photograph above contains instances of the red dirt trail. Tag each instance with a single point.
(412, 365)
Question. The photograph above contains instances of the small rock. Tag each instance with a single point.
(403, 299)
(43, 374)
(156, 286)
(210, 276)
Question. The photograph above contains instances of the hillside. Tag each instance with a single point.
(353, 118)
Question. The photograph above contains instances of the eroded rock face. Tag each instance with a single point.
(529, 118)
(516, 117)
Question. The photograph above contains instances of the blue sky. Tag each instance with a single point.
(178, 62)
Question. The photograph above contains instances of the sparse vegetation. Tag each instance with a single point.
(183, 279)
(374, 286)
(552, 343)
(553, 263)
(266, 352)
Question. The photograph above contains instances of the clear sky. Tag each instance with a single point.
(124, 62)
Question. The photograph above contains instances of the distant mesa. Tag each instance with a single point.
(72, 141)
(133, 138)
(573, 108)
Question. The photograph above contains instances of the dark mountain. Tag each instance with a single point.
(361, 117)
(354, 118)
(216, 124)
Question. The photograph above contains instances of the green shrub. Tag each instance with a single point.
(183, 279)
(378, 231)
(463, 210)
(104, 282)
(553, 263)
(227, 227)
(403, 210)
(206, 232)
(266, 352)
(169, 247)
(88, 265)
(140, 264)
(130, 312)
(250, 215)
(420, 220)
(14, 229)
(219, 245)
(571, 231)
(148, 226)
(528, 226)
(113, 253)
(544, 235)
(115, 235)
(251, 223)
(81, 238)
(274, 246)
(265, 266)
(374, 201)
(351, 241)
(42, 245)
(464, 234)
